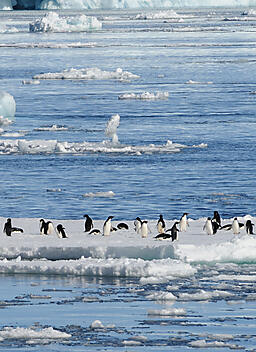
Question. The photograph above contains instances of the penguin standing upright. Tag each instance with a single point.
(216, 218)
(174, 231)
(236, 226)
(88, 225)
(8, 229)
(137, 224)
(144, 229)
(161, 225)
(107, 226)
(46, 228)
(249, 227)
(183, 222)
(61, 231)
(208, 226)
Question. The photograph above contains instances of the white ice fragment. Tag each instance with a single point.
(97, 324)
(111, 128)
(52, 22)
(100, 194)
(7, 108)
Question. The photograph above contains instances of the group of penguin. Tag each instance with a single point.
(211, 226)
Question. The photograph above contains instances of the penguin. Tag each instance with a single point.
(183, 222)
(8, 229)
(161, 225)
(144, 229)
(107, 226)
(174, 231)
(61, 231)
(122, 226)
(46, 228)
(173, 235)
(208, 227)
(137, 224)
(216, 218)
(88, 226)
(236, 226)
(95, 232)
(249, 227)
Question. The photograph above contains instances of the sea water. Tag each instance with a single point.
(205, 61)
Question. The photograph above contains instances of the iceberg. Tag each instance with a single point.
(119, 4)
(7, 108)
(52, 22)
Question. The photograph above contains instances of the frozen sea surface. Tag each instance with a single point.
(189, 146)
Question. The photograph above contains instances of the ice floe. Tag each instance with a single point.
(52, 22)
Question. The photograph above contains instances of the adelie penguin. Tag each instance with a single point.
(173, 235)
(107, 226)
(184, 222)
(249, 227)
(144, 229)
(216, 218)
(161, 225)
(8, 229)
(46, 228)
(88, 225)
(61, 231)
(137, 224)
(209, 227)
(122, 226)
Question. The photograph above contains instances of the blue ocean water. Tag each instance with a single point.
(218, 111)
(207, 64)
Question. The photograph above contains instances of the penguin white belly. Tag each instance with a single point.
(144, 230)
(107, 228)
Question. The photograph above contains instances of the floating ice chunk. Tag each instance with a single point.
(145, 96)
(157, 15)
(111, 128)
(162, 296)
(207, 344)
(37, 146)
(51, 128)
(196, 82)
(97, 324)
(33, 81)
(88, 73)
(23, 333)
(168, 312)
(52, 22)
(7, 108)
(100, 194)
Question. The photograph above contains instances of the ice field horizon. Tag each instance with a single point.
(127, 112)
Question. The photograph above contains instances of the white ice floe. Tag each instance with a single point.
(128, 255)
(52, 22)
(144, 96)
(28, 333)
(52, 128)
(213, 344)
(162, 296)
(7, 108)
(203, 295)
(168, 312)
(196, 82)
(107, 194)
(24, 146)
(167, 14)
(89, 74)
(31, 81)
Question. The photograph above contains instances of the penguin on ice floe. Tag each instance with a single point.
(95, 232)
(8, 229)
(249, 227)
(173, 235)
(216, 218)
(161, 225)
(107, 226)
(209, 226)
(88, 225)
(61, 231)
(235, 226)
(122, 226)
(46, 228)
(183, 222)
(144, 229)
(137, 224)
